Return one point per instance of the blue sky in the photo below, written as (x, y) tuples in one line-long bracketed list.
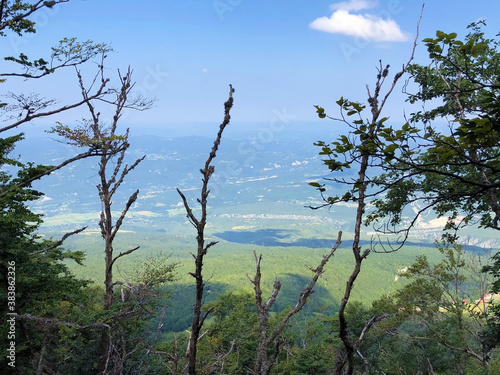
[(281, 56)]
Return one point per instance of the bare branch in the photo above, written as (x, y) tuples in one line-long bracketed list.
[(58, 243), (263, 363), (125, 253), (119, 222), (91, 152), (362, 336), (30, 117), (308, 290), (54, 322), (189, 211), (199, 224)]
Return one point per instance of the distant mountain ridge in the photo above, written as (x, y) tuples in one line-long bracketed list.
[(256, 172)]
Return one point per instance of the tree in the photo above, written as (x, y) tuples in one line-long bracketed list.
[(202, 249), (118, 343), (435, 293), (439, 314), (39, 282), (57, 314), (110, 146), (263, 364), (453, 170), (268, 335), (229, 346), (370, 145)]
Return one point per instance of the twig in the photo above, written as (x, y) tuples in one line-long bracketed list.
[(58, 243)]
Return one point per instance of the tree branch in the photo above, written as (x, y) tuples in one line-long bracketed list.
[(58, 243), (55, 322), (30, 117)]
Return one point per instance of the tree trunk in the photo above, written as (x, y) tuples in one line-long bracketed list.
[(195, 325), (343, 326), (199, 224)]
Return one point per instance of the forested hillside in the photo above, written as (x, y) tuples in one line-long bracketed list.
[(348, 244)]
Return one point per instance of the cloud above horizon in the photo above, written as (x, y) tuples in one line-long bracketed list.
[(366, 26)]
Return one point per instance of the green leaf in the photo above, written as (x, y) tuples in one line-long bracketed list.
[(440, 34), (358, 107), (390, 149), (320, 111)]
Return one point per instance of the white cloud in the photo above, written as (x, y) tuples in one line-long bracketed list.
[(354, 5), (365, 26), (204, 70)]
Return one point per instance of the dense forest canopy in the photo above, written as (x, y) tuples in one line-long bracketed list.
[(442, 318)]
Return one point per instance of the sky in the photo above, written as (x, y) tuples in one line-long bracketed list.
[(281, 56)]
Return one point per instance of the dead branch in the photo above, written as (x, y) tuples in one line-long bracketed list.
[(219, 362), (199, 224), (263, 363), (58, 243), (125, 253), (55, 322), (362, 336), (91, 152), (33, 116)]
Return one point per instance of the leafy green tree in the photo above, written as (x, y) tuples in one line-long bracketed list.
[(40, 282), (310, 348), (453, 170), (231, 340), (491, 335), (438, 317)]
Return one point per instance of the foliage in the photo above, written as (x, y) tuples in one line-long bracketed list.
[(439, 316), (431, 325), (58, 316), (85, 136), (231, 342), (69, 52), (44, 286), (491, 335), (15, 15), (453, 170)]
